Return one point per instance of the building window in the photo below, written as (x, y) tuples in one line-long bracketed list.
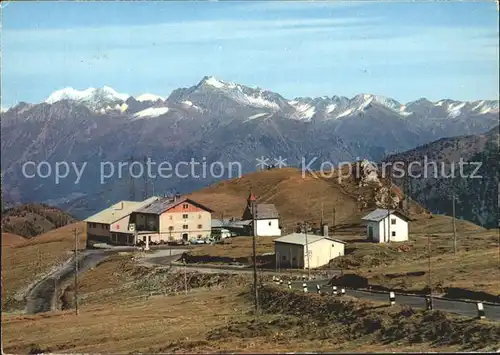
[(185, 205), (393, 234), (170, 228), (170, 217), (393, 221), (185, 226), (269, 223), (199, 226), (185, 216), (144, 238), (199, 216)]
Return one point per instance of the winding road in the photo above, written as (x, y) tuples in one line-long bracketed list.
[(41, 296), (460, 307)]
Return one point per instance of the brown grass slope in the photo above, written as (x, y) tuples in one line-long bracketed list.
[(26, 262), (31, 220), (220, 320), (10, 240), (296, 197)]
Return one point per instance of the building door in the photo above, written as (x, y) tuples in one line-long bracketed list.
[(185, 237), (370, 232)]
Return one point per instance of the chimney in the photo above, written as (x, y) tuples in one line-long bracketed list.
[(325, 230), (177, 197), (120, 206)]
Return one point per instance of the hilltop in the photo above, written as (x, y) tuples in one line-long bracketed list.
[(300, 198), (31, 220)]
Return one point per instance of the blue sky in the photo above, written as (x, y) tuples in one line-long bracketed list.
[(401, 50)]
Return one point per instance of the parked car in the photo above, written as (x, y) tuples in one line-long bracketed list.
[(197, 241)]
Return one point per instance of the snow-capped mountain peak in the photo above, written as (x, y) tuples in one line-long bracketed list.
[(212, 81), (485, 106), (149, 97), (91, 97), (68, 93), (213, 95), (252, 97)]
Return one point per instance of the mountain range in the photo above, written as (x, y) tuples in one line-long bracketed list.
[(213, 120)]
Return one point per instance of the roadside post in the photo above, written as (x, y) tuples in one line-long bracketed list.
[(342, 291), (304, 286), (392, 298), (318, 289), (428, 304), (334, 290), (480, 311), (289, 285)]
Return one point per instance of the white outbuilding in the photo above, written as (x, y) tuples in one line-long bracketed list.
[(291, 250), (267, 218), (384, 226)]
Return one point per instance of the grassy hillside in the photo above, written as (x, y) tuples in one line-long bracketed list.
[(219, 319), (297, 198), (26, 262), (10, 240), (31, 220)]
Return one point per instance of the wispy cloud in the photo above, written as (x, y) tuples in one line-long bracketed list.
[(178, 32), (301, 48), (298, 5)]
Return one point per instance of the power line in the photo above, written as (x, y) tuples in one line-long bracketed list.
[(76, 271), (132, 182), (254, 247), (304, 226), (145, 178), (429, 279), (454, 226)]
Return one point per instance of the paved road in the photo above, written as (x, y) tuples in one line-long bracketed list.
[(463, 308), (41, 297)]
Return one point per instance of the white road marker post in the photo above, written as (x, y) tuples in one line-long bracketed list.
[(304, 286), (480, 311), (392, 298), (428, 304), (334, 290), (318, 289), (289, 285), (342, 291)]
